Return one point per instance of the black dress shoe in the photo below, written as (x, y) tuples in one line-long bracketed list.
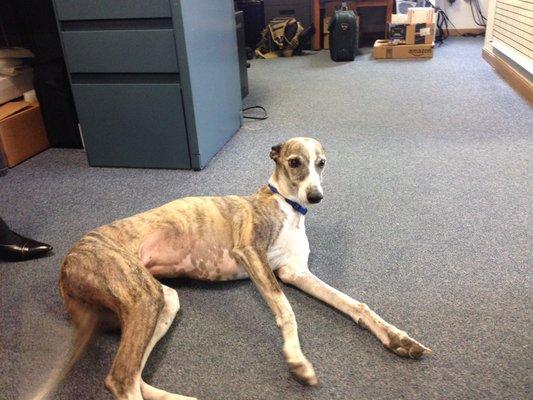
[(22, 248)]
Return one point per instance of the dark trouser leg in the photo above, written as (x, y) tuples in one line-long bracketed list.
[(3, 166), (6, 235)]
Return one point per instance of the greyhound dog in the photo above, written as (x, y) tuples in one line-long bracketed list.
[(112, 272)]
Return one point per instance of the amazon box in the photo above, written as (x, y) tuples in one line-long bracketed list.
[(398, 32), (383, 49), (420, 34), (22, 132)]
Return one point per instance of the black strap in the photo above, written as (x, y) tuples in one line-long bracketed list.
[(265, 116)]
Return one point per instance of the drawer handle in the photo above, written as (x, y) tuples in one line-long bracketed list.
[(116, 24), (119, 78)]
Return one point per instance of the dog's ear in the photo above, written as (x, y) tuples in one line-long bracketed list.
[(276, 151)]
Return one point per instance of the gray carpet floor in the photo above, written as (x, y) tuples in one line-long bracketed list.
[(424, 219)]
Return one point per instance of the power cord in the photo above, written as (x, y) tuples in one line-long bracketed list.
[(477, 14), (261, 118), (444, 22)]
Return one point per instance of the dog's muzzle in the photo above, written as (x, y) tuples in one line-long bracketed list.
[(314, 195)]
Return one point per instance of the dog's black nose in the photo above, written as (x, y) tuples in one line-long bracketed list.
[(314, 197)]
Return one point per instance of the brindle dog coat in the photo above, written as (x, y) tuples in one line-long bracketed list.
[(111, 273)]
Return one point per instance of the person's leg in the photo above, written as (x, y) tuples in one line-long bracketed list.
[(3, 166), (6, 234), (14, 247)]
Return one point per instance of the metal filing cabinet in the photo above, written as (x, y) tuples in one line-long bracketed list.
[(155, 82)]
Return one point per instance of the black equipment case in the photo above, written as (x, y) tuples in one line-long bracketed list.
[(343, 35)]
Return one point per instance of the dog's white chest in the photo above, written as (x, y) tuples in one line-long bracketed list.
[(291, 244)]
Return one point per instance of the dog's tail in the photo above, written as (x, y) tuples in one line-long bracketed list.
[(86, 326)]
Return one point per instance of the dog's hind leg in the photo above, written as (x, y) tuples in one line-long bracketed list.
[(138, 325), (105, 276), (143, 325), (166, 316)]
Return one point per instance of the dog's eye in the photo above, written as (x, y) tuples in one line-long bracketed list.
[(294, 163), (321, 163)]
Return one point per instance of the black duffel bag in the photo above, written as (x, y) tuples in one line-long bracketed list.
[(343, 35)]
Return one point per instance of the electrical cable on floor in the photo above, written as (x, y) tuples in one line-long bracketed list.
[(261, 118)]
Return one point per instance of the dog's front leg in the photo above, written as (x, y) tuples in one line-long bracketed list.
[(392, 338), (256, 264)]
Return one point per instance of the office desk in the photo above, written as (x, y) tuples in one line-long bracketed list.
[(389, 4)]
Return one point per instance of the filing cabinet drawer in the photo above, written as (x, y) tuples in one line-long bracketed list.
[(151, 89), (105, 9), (133, 124), (118, 51)]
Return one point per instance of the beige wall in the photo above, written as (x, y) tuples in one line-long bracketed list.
[(460, 14)]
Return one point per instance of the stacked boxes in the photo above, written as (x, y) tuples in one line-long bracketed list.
[(411, 35), (22, 132), (16, 76)]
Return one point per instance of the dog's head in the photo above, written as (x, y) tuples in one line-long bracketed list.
[(299, 165)]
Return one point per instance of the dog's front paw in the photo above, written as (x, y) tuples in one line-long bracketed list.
[(304, 372), (400, 343)]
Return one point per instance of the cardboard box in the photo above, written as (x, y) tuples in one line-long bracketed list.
[(325, 32), (420, 15), (325, 24), (399, 19), (12, 87), (383, 49), (398, 32), (22, 132), (412, 33), (420, 34)]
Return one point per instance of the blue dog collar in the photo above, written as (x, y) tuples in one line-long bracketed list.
[(297, 206)]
